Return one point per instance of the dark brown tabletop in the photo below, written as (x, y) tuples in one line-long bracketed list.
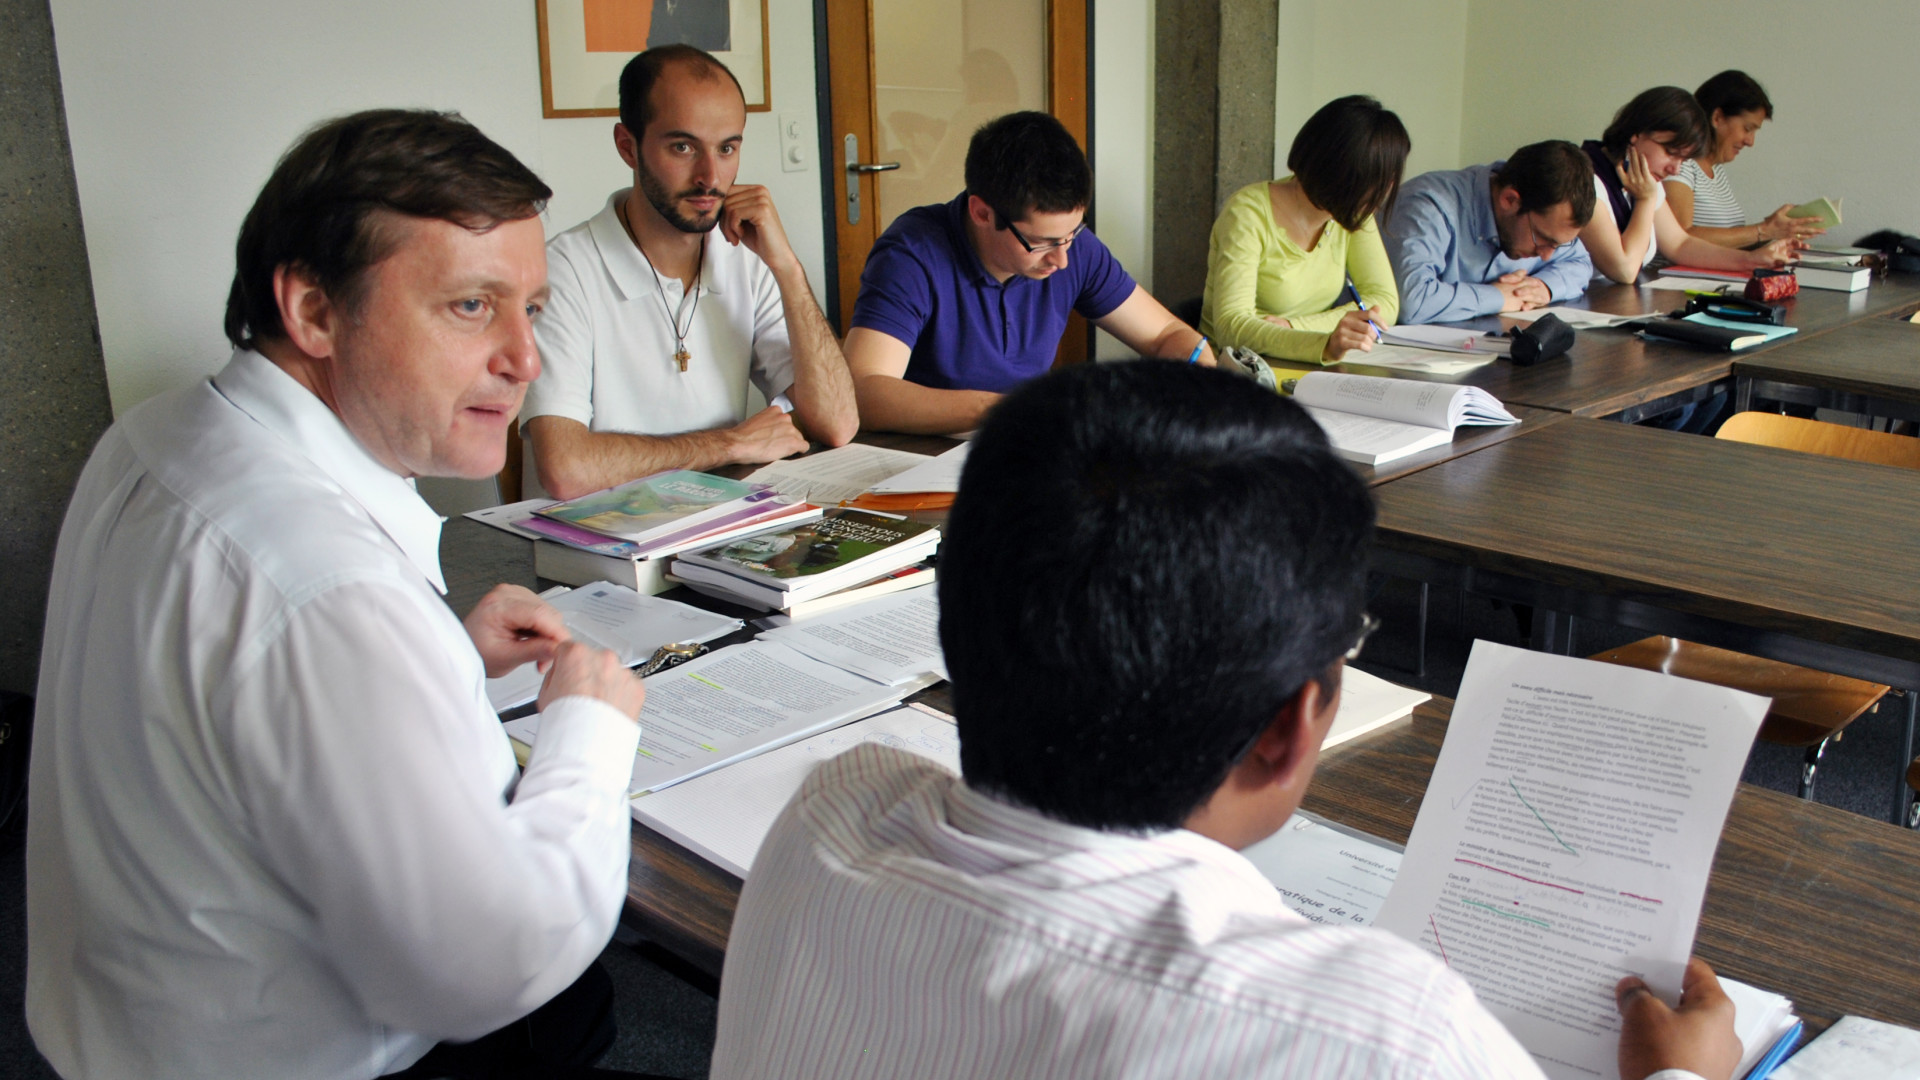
[(1805, 900), (1613, 371), (1869, 366), (1792, 556)]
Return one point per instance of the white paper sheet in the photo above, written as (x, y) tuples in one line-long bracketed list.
[(508, 516), (1578, 318), (1681, 284), (936, 475), (1565, 841), (1326, 873), (831, 477), (1406, 358), (613, 617), (726, 814), (1447, 338), (890, 639), (1368, 702), (1854, 1048)]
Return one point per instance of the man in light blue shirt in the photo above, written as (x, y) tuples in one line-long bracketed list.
[(1493, 238)]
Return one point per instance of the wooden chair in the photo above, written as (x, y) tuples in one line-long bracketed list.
[(1810, 708)]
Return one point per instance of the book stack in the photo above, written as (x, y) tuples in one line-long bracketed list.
[(785, 569), (625, 534)]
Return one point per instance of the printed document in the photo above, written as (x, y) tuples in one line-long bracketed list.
[(618, 619), (832, 477), (890, 640), (1566, 838), (940, 474)]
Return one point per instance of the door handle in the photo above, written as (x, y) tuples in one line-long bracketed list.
[(855, 169)]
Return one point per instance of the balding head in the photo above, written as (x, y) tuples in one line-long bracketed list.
[(643, 71)]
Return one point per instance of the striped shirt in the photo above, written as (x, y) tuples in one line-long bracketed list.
[(1714, 206), (898, 923)]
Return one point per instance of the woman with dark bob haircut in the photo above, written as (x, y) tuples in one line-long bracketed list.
[(1649, 139), (1702, 200), (1295, 266)]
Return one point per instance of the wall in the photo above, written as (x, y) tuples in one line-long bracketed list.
[(1123, 151), (1837, 74), (1416, 66), (179, 110), (53, 392)]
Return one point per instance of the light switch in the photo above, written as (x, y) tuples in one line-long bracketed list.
[(793, 142)]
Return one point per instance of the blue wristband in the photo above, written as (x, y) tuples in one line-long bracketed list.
[(1194, 357)]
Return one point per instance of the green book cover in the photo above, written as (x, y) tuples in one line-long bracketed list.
[(634, 509), (840, 539)]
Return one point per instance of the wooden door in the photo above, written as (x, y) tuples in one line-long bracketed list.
[(891, 65)]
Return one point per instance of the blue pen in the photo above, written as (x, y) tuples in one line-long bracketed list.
[(1361, 304)]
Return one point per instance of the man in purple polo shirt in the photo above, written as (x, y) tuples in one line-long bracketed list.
[(962, 301)]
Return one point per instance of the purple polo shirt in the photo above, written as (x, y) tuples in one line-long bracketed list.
[(924, 285)]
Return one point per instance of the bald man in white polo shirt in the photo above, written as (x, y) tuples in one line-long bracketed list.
[(659, 321)]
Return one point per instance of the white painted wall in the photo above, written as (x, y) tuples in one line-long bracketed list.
[(1123, 143), (1411, 54), (178, 111), (1837, 74)]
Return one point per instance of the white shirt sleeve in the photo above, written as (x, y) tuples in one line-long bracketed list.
[(450, 907), (564, 333), (772, 370)]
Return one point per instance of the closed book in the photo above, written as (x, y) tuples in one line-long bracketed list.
[(1835, 278), (658, 505), (1703, 335), (844, 545), (743, 590), (558, 562), (735, 591)]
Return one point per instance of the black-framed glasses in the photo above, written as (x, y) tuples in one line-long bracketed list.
[(1368, 624), (1035, 247), (1534, 234)]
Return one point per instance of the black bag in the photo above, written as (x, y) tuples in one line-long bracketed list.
[(1903, 251), (1543, 339)]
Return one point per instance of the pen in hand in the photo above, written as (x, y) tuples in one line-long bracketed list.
[(1362, 305)]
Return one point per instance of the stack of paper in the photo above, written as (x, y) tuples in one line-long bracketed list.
[(725, 815), (617, 618), (940, 474), (1374, 421), (1857, 1047), (892, 640), (831, 477), (1447, 339), (1578, 318)]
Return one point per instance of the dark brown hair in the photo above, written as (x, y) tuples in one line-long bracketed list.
[(641, 72), (1549, 173), (1732, 93), (1027, 161), (320, 210), (1349, 157), (1661, 109)]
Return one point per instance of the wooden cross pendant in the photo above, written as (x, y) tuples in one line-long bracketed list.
[(681, 357)]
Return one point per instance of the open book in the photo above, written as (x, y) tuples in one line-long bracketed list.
[(1373, 421)]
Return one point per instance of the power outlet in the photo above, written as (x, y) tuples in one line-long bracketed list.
[(794, 133)]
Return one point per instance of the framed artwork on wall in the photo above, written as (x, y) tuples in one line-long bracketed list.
[(585, 43)]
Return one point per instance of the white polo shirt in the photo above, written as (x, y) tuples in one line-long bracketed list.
[(607, 342)]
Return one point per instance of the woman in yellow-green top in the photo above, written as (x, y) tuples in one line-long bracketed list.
[(1283, 250)]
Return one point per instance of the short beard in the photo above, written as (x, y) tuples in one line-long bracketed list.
[(664, 204)]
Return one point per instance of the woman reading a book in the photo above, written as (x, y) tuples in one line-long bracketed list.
[(1650, 138), (1702, 200), (1295, 266)]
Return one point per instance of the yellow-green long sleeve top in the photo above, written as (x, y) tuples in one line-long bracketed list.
[(1255, 269)]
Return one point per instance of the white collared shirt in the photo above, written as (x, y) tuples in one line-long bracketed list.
[(607, 340), (899, 923), (275, 829)]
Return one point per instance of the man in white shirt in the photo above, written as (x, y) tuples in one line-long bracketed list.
[(657, 325), (1150, 577), (276, 830)]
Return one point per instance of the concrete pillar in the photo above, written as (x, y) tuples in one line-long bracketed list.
[(53, 382), (1213, 125)]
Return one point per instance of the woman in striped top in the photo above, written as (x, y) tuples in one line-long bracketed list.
[(1699, 194)]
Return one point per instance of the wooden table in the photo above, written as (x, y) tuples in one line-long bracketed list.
[(1805, 900), (1870, 366), (1615, 373), (1796, 557)]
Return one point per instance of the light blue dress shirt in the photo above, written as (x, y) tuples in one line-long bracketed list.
[(1446, 251)]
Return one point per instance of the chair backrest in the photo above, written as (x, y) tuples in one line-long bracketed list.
[(1820, 437)]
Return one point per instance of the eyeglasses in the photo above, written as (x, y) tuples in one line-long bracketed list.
[(1037, 246), (1534, 236), (1368, 624)]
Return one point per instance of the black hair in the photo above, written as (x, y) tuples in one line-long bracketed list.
[(320, 211), (1144, 564), (1732, 93), (1546, 174), (645, 69), (1027, 161), (1349, 157), (1662, 109)]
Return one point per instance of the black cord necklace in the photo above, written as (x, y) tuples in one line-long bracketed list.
[(680, 353)]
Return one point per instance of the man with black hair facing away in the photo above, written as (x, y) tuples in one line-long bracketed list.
[(1150, 579), (276, 829), (680, 293), (962, 301)]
